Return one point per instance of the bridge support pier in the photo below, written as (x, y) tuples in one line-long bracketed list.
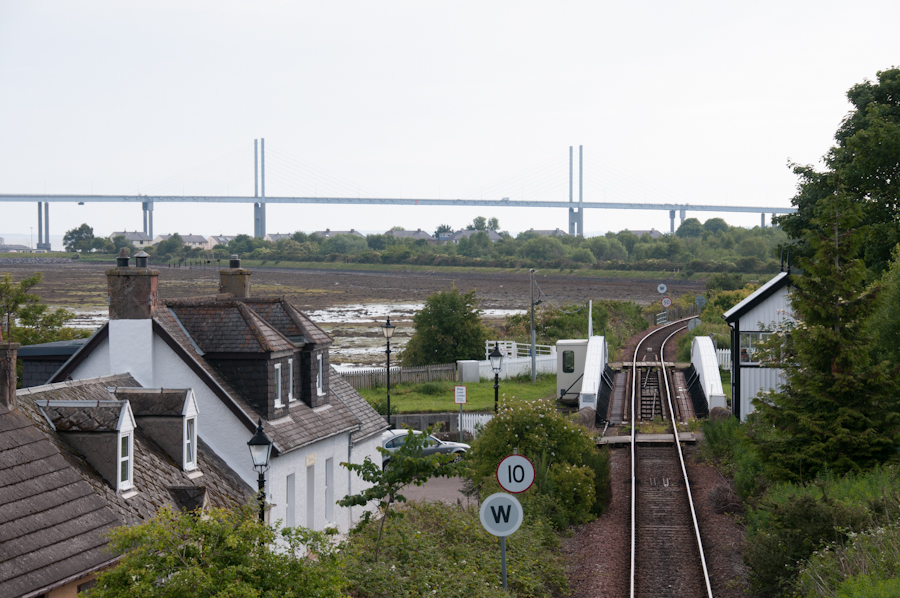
[(148, 218), (44, 227), (683, 214), (259, 220), (762, 220), (671, 221)]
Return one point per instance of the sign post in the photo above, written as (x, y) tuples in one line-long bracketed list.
[(459, 398), (501, 515)]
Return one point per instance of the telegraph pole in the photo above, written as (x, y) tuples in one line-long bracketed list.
[(533, 356)]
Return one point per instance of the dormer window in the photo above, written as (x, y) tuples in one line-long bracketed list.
[(278, 402), (291, 396), (126, 466), (320, 375), (190, 444)]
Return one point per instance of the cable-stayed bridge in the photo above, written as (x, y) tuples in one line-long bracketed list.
[(291, 172)]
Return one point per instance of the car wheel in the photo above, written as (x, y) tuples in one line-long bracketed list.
[(457, 457)]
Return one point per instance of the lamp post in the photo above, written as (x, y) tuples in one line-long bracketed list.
[(496, 361), (388, 330), (260, 451)]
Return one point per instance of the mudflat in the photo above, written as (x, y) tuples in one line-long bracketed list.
[(82, 285)]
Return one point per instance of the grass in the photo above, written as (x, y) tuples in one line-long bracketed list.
[(726, 383), (437, 397)]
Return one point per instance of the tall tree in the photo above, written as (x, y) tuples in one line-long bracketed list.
[(447, 329), (479, 223), (493, 224), (443, 228), (837, 409), (79, 239), (865, 163)]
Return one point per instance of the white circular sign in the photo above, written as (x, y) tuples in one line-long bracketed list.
[(501, 514), (515, 474), (666, 302), (662, 288), (694, 323), (700, 300)]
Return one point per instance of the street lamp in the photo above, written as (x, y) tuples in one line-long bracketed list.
[(260, 450), (388, 330), (496, 361)]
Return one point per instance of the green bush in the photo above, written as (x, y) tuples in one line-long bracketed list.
[(572, 482), (442, 550)]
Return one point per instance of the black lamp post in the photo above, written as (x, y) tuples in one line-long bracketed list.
[(260, 450), (496, 361), (388, 329)]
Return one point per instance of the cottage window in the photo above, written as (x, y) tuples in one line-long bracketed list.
[(291, 396), (190, 444), (126, 448), (278, 385), (320, 375)]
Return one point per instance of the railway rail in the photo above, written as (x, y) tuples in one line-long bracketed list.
[(667, 557)]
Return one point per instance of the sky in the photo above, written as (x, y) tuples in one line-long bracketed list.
[(673, 102)]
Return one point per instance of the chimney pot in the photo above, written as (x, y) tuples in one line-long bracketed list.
[(122, 259), (8, 354), (234, 262), (141, 259)]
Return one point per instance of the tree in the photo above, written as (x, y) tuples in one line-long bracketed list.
[(448, 328), (407, 466), (443, 228), (885, 321), (13, 297), (543, 248), (344, 244), (865, 164), (174, 245), (838, 410), (79, 239), (221, 554), (103, 245), (480, 223), (493, 224), (715, 225), (690, 228), (120, 241)]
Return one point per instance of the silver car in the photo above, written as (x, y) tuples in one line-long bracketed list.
[(393, 440)]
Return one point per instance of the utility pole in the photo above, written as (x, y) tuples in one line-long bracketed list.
[(533, 356)]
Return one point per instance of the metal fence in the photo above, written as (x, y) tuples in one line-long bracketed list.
[(514, 349), (375, 377)]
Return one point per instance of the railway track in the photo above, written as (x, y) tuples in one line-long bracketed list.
[(667, 556)]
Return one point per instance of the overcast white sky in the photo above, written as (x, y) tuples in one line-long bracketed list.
[(701, 102)]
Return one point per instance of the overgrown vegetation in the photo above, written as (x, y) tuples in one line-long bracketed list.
[(448, 328), (572, 482)]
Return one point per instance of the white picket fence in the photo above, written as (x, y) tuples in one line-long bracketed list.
[(723, 358), (512, 349), (470, 420)]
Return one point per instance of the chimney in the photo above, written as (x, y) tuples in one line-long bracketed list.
[(132, 291), (235, 280), (8, 352)]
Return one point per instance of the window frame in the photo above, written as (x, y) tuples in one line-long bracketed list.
[(752, 340), (568, 361), (291, 396), (126, 441), (190, 443), (320, 375), (277, 373)]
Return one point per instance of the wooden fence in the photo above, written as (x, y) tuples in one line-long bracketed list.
[(375, 377)]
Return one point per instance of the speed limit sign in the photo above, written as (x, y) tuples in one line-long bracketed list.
[(515, 474), (666, 302)]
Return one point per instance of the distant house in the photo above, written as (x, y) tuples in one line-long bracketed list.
[(138, 239), (549, 233), (465, 234), (14, 249), (275, 237), (415, 235), (766, 310), (192, 241), (640, 233), (330, 233), (215, 240), (247, 361), (79, 458)]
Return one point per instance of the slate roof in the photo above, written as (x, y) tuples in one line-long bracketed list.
[(51, 520), (330, 233), (227, 327), (132, 236), (303, 425), (153, 402), (54, 506), (288, 320), (455, 237), (91, 416), (550, 233), (370, 421), (187, 239), (409, 234)]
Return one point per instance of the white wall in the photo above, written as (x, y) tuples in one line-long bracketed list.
[(774, 309), (756, 380)]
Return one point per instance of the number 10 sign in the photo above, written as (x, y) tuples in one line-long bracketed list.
[(515, 474)]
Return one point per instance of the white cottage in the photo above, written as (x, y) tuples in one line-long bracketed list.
[(766, 310), (245, 360)]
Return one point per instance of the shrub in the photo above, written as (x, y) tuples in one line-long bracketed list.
[(439, 549), (572, 482)]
